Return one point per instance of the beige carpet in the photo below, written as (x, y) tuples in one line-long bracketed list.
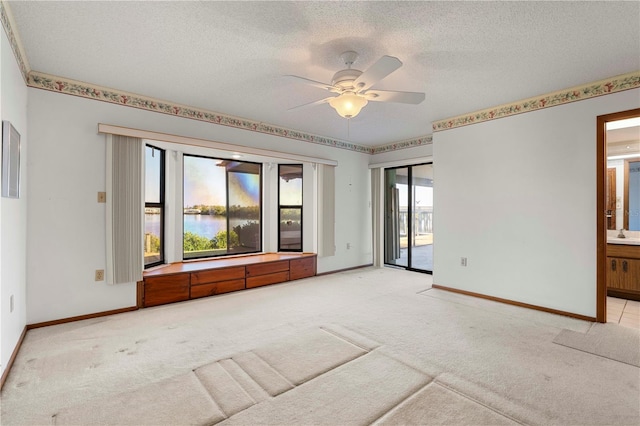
[(607, 340), (315, 377), (360, 347)]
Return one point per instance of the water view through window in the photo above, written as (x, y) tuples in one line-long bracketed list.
[(153, 206), (222, 207), (290, 209)]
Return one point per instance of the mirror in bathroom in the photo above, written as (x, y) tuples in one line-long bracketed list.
[(610, 199), (632, 195), (623, 174)]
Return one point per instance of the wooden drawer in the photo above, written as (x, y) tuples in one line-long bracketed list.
[(204, 290), (278, 277), (623, 250), (267, 268), (166, 289), (302, 268), (216, 275)]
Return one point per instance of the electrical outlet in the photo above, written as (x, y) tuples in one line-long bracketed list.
[(11, 303), (463, 261), (99, 274), (102, 197)]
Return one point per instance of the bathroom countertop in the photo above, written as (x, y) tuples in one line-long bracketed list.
[(631, 241)]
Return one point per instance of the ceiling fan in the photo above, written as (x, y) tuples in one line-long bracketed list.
[(353, 87)]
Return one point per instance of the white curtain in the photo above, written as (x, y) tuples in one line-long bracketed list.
[(326, 211), (125, 209), (377, 214)]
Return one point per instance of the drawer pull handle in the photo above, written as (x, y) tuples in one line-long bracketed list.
[(613, 265), (624, 265)]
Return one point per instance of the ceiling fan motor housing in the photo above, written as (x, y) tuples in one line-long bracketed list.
[(345, 78)]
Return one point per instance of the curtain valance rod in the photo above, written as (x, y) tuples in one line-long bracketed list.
[(184, 140)]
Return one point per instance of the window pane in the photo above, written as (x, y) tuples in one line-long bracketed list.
[(291, 228), (221, 207), (153, 213), (422, 217), (205, 211), (152, 235), (290, 195), (396, 216), (152, 181), (290, 185), (244, 207)]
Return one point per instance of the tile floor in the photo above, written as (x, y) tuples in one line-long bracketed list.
[(623, 312)]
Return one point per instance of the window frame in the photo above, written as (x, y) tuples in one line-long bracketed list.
[(160, 205), (226, 184), (291, 207)]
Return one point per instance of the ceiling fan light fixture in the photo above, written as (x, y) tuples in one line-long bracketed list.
[(348, 105)]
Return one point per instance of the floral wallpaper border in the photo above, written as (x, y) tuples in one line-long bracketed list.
[(578, 93), (71, 87), (85, 90), (409, 143), (15, 44)]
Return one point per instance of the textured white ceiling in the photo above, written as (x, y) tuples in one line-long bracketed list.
[(230, 57)]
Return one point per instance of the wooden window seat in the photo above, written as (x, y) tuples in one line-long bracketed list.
[(190, 280)]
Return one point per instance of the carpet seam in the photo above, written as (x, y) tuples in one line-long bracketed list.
[(310, 379), (412, 367), (237, 382), (206, 391), (272, 369), (345, 339), (594, 354), (404, 400), (444, 385)]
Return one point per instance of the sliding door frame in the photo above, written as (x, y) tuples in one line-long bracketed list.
[(410, 224)]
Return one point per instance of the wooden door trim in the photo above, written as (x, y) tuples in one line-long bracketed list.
[(601, 219)]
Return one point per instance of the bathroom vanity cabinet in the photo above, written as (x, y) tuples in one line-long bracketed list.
[(623, 271)]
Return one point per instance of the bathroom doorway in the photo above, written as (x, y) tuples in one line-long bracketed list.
[(618, 146)]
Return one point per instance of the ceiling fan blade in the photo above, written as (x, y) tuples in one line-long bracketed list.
[(376, 72), (391, 96), (310, 104), (319, 84)]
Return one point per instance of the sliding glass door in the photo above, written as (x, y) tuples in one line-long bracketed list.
[(408, 227)]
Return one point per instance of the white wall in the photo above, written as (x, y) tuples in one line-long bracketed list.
[(517, 197), (66, 224), (13, 212)]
